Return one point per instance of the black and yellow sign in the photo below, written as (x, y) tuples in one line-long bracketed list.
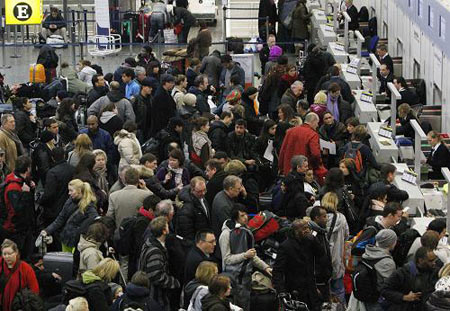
[(23, 12)]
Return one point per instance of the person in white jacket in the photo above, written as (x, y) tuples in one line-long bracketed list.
[(128, 145), (86, 72)]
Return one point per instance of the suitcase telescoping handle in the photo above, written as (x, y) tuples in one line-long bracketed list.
[(120, 271)]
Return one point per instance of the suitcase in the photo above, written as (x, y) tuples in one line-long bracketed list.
[(263, 301), (37, 73), (60, 263)]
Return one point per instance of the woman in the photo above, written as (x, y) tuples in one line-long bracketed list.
[(109, 120), (287, 79), (128, 145), (68, 127), (251, 114), (99, 294), (285, 115), (311, 186), (267, 154), (406, 114), (353, 183), (377, 201), (219, 289), (196, 289), (153, 72), (137, 294), (335, 132), (152, 182), (439, 156), (174, 174), (15, 275), (90, 254), (338, 233), (268, 95), (320, 105), (85, 71), (78, 212), (104, 178), (83, 145), (440, 298), (201, 144), (300, 22), (179, 90), (203, 40)]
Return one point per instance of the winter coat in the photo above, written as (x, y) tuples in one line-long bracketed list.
[(124, 107), (322, 265), (59, 21), (202, 146), (99, 295), (164, 169), (101, 140), (154, 261), (134, 293), (300, 21), (193, 260), (68, 128), (235, 71), (221, 211), (294, 202), (438, 301), (90, 255), (126, 202), (129, 148), (155, 186), (86, 75), (241, 147), (196, 296), (338, 236), (75, 85), (319, 110), (163, 108), (27, 277), (202, 100), (212, 67), (214, 186), (192, 217), (10, 148), (25, 128), (335, 132), (43, 161), (405, 279), (55, 192), (95, 93), (218, 135), (110, 122), (346, 91), (71, 222), (214, 303), (19, 211), (267, 8), (204, 41), (289, 98), (384, 267)]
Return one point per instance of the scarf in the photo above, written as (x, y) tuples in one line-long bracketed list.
[(102, 179), (377, 205), (289, 79), (11, 276), (199, 139), (13, 136), (332, 106), (178, 178)]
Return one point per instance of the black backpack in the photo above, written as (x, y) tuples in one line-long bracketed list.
[(126, 304), (125, 242), (404, 242), (26, 300), (73, 289), (364, 280), (3, 210)]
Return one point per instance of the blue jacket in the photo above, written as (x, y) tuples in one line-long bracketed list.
[(132, 89), (101, 140)]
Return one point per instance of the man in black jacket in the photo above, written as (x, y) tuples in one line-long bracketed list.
[(240, 144), (294, 266), (54, 24), (215, 175), (25, 121), (99, 89), (409, 287), (384, 57), (352, 11), (387, 178), (219, 130), (141, 105), (385, 77), (164, 106), (199, 89), (205, 242), (195, 214)]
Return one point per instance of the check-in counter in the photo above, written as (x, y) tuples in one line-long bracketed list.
[(353, 80), (318, 18), (312, 5), (326, 35), (338, 51), (416, 199), (383, 148), (364, 111)]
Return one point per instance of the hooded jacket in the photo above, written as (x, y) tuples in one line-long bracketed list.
[(128, 147), (75, 85), (214, 303), (124, 107), (384, 267), (99, 295), (337, 240), (134, 293), (86, 75), (90, 255), (110, 122), (218, 135)]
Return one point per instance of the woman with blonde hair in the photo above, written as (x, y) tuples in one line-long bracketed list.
[(105, 179), (99, 294), (338, 233), (78, 213), (78, 304), (83, 144), (196, 289)]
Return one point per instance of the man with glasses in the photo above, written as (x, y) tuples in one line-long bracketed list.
[(205, 243)]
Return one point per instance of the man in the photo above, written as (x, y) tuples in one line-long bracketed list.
[(131, 86), (205, 242), (438, 226), (352, 11), (124, 107), (129, 62), (154, 261), (26, 125), (199, 89), (99, 89), (265, 51), (164, 107), (99, 137), (385, 77), (183, 15), (341, 109), (19, 223), (160, 17), (335, 73), (294, 202), (409, 287), (302, 109), (216, 175), (230, 68), (294, 266), (222, 157), (219, 130), (9, 141), (140, 74), (385, 58), (240, 144), (55, 192), (52, 126), (142, 104), (322, 264), (224, 201), (239, 255), (292, 94), (54, 24), (387, 179), (120, 183), (212, 67), (195, 214), (303, 140)]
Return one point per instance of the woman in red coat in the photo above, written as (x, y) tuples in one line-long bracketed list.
[(12, 268)]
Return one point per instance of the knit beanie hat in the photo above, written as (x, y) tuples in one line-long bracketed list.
[(190, 99), (320, 98), (234, 96), (275, 52), (386, 238)]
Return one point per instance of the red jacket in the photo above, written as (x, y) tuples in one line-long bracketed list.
[(301, 140), (28, 280)]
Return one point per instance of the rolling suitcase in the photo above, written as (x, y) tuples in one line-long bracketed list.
[(37, 73), (60, 263)]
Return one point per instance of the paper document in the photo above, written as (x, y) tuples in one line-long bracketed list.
[(268, 154), (328, 145)]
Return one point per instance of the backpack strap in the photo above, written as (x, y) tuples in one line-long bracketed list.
[(333, 224)]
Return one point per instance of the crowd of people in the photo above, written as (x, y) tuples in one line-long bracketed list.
[(155, 200)]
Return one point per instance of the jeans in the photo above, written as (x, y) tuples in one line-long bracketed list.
[(156, 24), (337, 288), (183, 36)]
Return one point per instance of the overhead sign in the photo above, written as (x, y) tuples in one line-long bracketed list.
[(23, 12)]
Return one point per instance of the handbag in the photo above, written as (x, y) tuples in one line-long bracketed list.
[(349, 208), (178, 28), (170, 36)]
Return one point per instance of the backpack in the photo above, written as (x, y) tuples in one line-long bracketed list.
[(3, 210), (151, 146), (263, 225), (364, 281), (125, 242), (126, 304), (73, 289), (354, 154), (26, 300), (404, 242), (355, 247)]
